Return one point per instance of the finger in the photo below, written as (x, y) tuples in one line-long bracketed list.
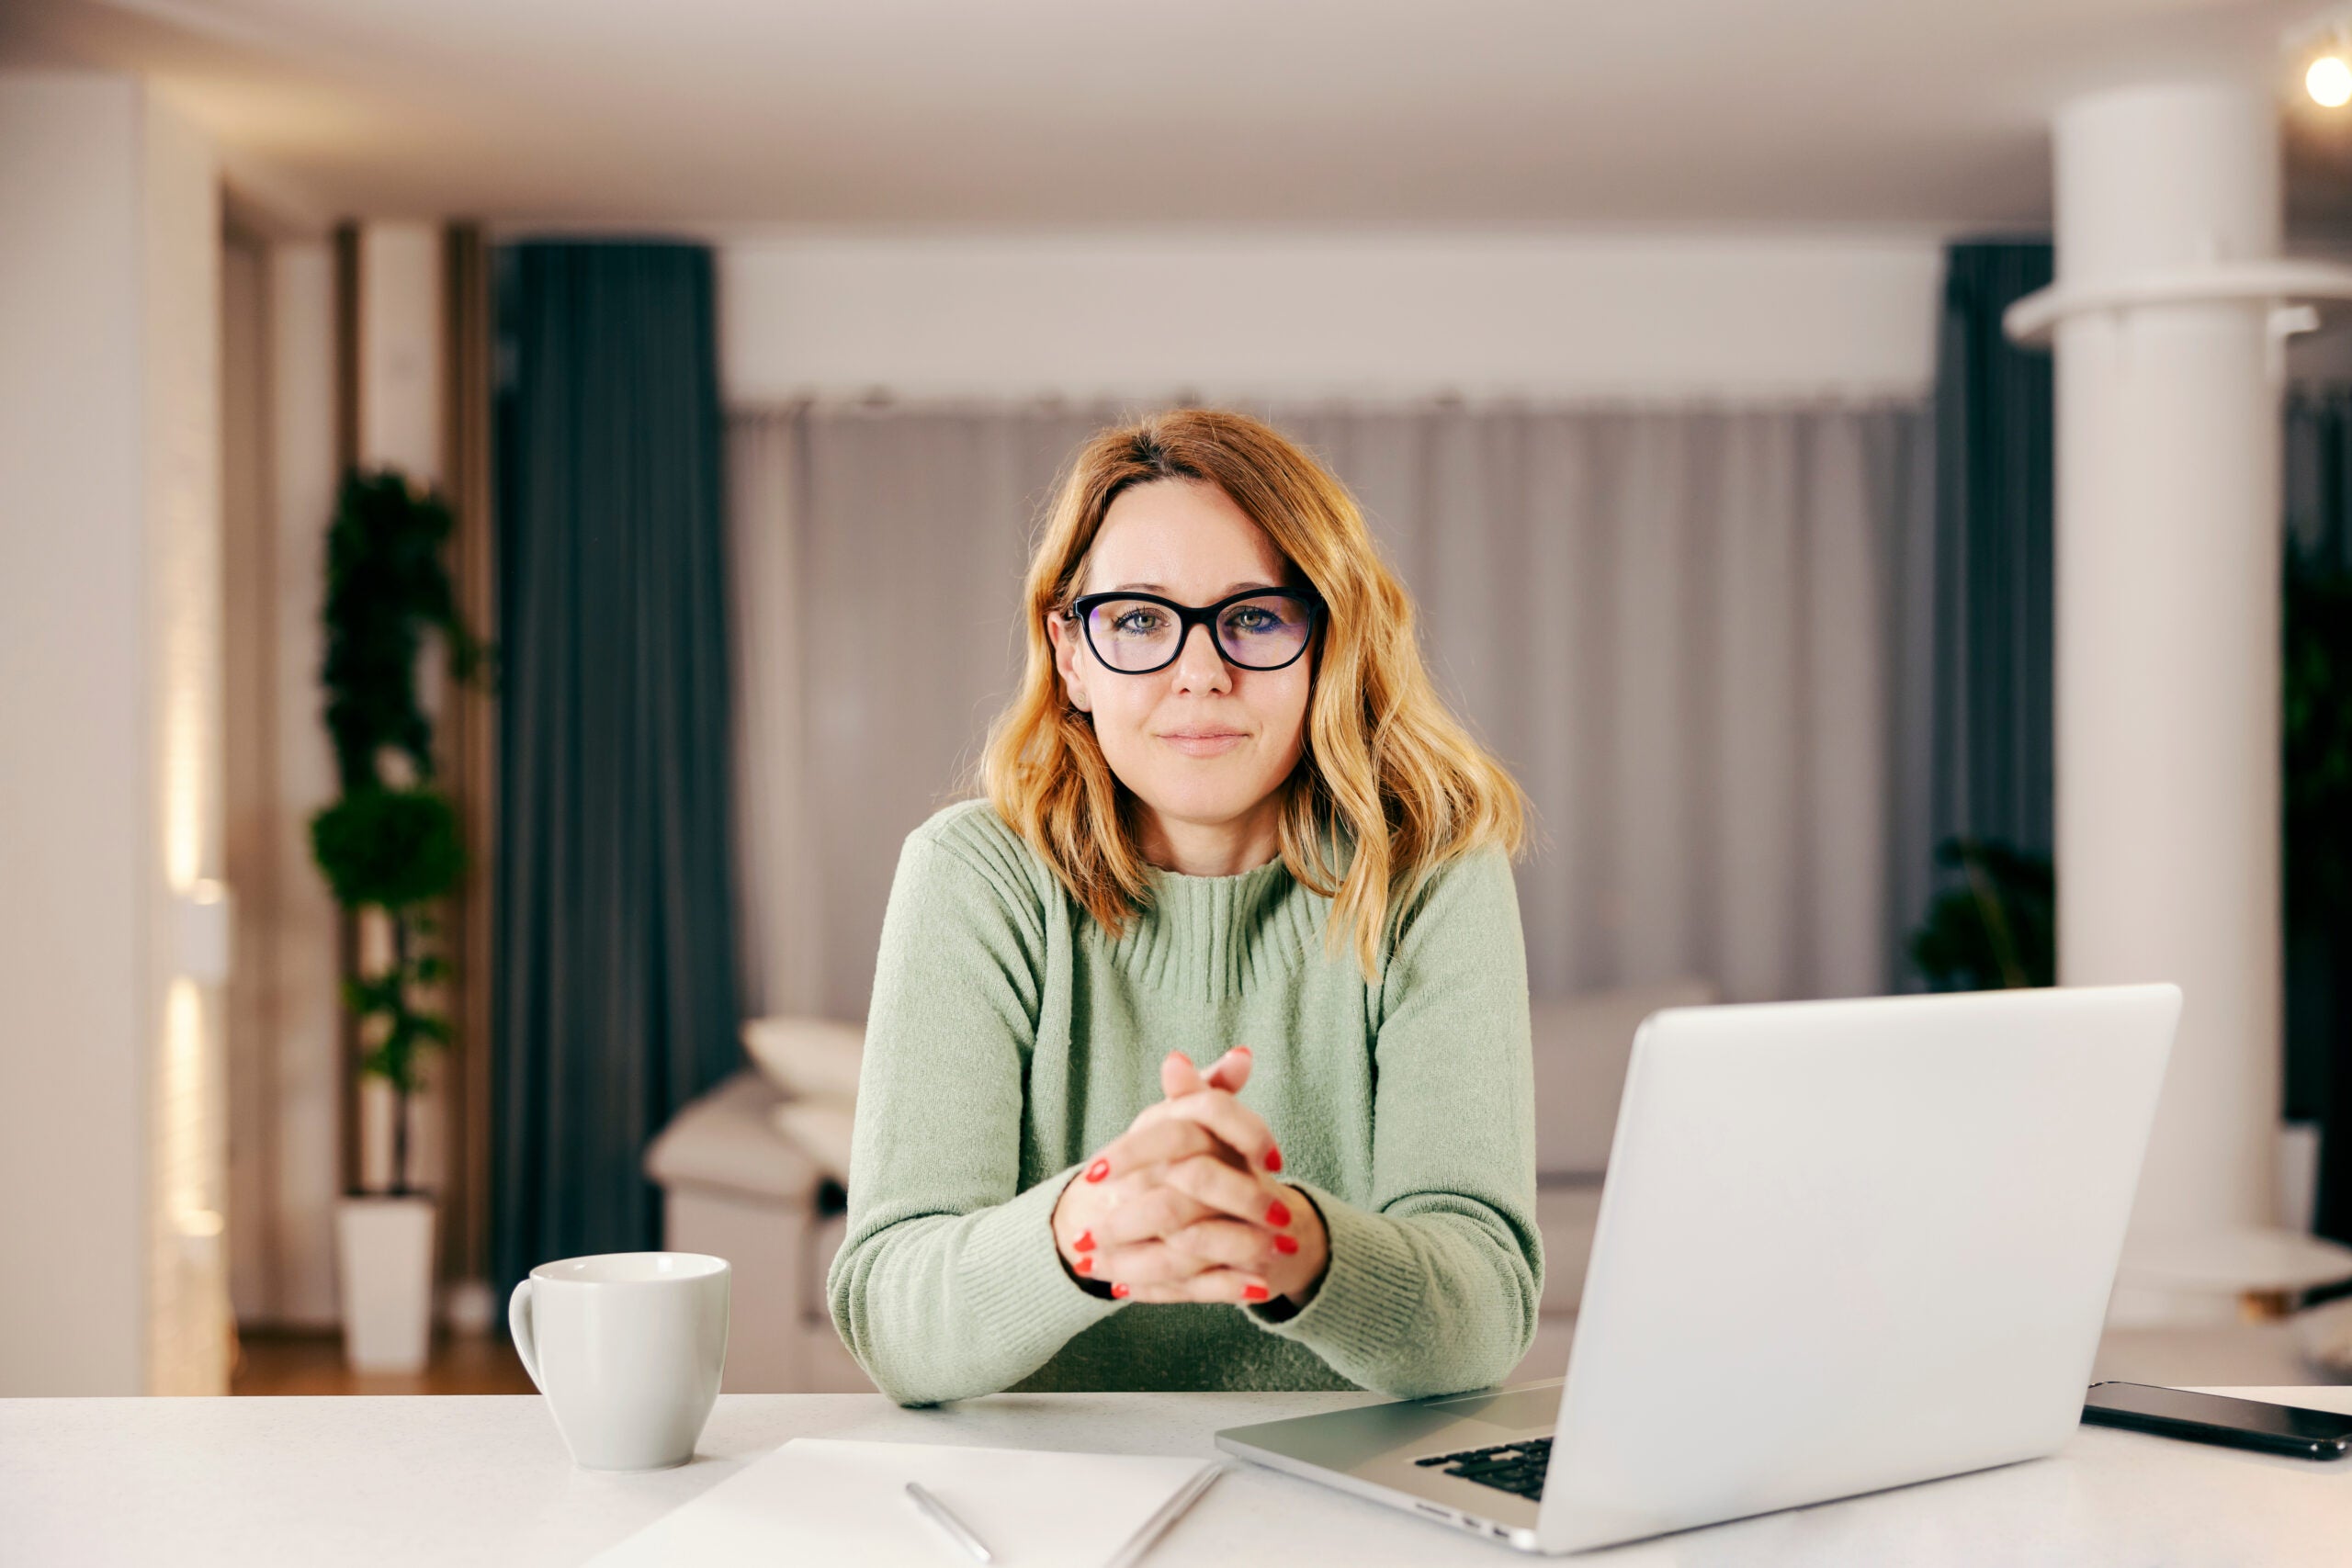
[(1232, 1192), (1230, 1244), (1153, 1140), (1179, 1077), (1231, 1071), (1150, 1215), (1146, 1263), (1085, 1207), (1234, 1285), (1241, 1128)]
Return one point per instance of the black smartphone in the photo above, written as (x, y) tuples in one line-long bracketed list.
[(2215, 1419)]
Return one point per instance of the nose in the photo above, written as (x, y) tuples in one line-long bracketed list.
[(1200, 665)]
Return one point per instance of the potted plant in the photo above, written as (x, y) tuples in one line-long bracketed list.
[(391, 848), (1997, 930)]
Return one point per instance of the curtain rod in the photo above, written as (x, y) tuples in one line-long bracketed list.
[(880, 401)]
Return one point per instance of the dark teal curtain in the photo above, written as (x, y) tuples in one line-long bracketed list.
[(615, 988), (1994, 746), (2319, 477), (2318, 491)]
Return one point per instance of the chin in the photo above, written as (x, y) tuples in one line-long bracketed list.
[(1205, 803)]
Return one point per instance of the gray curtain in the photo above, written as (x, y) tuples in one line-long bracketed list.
[(1681, 626), (616, 989)]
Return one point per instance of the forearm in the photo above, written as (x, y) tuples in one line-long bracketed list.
[(950, 1306), (1437, 1296)]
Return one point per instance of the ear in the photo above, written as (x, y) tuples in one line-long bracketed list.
[(1064, 637)]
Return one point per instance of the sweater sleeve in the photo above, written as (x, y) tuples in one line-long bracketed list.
[(947, 1284), (1432, 1287)]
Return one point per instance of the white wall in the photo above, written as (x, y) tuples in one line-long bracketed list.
[(1370, 315), (108, 225), (400, 348), (73, 752)]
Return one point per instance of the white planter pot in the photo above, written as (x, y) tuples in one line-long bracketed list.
[(384, 1248)]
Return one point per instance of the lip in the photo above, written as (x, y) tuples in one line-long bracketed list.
[(1203, 742)]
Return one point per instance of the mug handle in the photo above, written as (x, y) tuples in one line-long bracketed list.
[(518, 1325)]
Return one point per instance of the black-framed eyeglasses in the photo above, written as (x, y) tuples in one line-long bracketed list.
[(1137, 633)]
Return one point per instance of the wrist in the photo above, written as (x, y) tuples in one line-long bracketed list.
[(1073, 1239), (1295, 1277)]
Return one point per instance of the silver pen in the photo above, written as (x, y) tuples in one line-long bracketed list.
[(1170, 1512), (956, 1528)]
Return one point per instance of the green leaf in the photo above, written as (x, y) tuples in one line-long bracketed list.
[(388, 848)]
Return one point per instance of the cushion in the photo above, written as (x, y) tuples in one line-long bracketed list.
[(728, 1140), (1582, 1044), (820, 1129), (809, 1058), (1566, 1213), (825, 1238)]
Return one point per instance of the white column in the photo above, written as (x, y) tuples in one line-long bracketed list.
[(2167, 622), (111, 1132)]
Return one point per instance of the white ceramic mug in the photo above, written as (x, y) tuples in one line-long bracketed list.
[(627, 1347)]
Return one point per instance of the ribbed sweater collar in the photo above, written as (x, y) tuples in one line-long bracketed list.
[(1209, 937)]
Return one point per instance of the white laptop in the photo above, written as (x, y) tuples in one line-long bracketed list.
[(1842, 1245)]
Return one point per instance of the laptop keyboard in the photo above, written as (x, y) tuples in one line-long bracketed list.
[(1517, 1468)]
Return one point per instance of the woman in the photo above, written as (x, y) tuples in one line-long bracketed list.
[(1227, 810)]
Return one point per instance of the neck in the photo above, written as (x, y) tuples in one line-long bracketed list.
[(1213, 849)]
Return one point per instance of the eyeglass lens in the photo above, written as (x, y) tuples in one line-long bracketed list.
[(1136, 635)]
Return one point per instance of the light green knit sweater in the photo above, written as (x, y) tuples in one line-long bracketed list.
[(1010, 1037)]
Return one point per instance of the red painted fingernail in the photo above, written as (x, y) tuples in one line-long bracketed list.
[(1274, 1157), (1285, 1245), (1083, 1266), (1120, 1292), (1278, 1212), (1098, 1170), (1255, 1293), (1085, 1242), (1243, 1049)]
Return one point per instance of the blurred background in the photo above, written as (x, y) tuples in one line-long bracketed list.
[(510, 512)]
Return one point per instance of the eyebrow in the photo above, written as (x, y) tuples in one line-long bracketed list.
[(1230, 589)]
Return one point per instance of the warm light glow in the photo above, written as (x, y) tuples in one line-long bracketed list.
[(180, 1160), (189, 1325), (2329, 82), (183, 784)]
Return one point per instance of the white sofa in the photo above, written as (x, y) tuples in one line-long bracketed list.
[(736, 1186)]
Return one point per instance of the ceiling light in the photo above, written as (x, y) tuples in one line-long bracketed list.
[(2329, 82)]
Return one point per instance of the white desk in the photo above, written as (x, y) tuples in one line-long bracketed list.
[(447, 1481)]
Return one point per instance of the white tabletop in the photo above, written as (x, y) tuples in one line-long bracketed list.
[(449, 1480)]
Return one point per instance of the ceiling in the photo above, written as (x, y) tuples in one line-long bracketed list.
[(866, 112)]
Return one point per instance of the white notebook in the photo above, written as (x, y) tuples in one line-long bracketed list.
[(821, 1500)]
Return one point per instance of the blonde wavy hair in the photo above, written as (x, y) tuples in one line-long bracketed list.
[(1389, 787)]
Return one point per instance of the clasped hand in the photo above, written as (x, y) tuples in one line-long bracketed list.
[(1183, 1206)]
